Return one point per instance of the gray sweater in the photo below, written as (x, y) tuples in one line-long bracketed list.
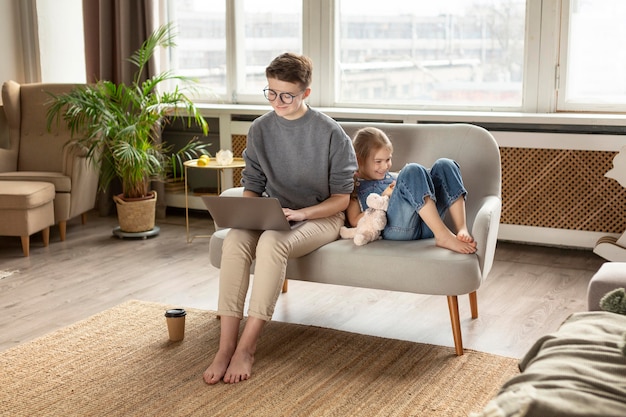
[(301, 162)]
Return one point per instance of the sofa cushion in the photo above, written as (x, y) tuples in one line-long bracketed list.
[(62, 183), (577, 371), (407, 266), (23, 195)]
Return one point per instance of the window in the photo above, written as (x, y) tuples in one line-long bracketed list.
[(444, 53), (489, 55), (271, 28), (53, 59), (263, 29), (593, 56), (201, 43)]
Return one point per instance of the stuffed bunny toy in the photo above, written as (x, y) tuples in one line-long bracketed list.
[(371, 224)]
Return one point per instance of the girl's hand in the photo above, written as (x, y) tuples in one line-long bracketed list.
[(389, 190)]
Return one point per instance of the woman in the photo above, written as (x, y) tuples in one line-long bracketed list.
[(306, 160)]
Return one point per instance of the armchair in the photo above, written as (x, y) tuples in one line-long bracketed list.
[(36, 154)]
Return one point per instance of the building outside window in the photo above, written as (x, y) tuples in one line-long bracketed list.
[(431, 53)]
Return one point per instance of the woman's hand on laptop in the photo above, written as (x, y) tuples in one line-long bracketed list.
[(294, 215), (329, 207)]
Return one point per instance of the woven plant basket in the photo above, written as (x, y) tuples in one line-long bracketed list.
[(137, 215)]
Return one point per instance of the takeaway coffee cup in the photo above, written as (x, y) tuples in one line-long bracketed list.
[(176, 323)]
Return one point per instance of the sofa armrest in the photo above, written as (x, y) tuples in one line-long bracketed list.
[(11, 104), (84, 176), (231, 192), (610, 276), (9, 127), (485, 232), (8, 160)]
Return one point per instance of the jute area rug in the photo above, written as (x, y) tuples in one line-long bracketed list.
[(121, 363)]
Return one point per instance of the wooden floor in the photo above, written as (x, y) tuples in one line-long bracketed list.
[(530, 290)]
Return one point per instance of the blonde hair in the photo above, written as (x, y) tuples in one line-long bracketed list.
[(368, 140)]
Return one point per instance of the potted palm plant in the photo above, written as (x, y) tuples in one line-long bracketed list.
[(118, 127)]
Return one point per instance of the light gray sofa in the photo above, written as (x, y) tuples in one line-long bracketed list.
[(579, 370), (416, 266)]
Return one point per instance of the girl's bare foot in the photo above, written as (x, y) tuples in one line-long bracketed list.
[(452, 242), (216, 371), (464, 236), (240, 367)]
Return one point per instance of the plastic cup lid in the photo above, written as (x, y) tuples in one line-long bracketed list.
[(176, 312)]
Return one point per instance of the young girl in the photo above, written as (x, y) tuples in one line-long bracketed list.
[(418, 197)]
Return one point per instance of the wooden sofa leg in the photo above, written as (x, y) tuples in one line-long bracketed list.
[(453, 306), (285, 285), (62, 229), (473, 304), (45, 234), (25, 244), (83, 218)]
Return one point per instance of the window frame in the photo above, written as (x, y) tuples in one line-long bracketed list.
[(563, 105), (545, 55)]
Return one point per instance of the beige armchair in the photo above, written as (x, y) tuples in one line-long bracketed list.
[(36, 154)]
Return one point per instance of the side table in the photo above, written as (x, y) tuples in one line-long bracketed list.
[(193, 164)]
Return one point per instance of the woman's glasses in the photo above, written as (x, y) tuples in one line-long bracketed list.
[(286, 98)]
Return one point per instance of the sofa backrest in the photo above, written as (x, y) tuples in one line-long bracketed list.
[(471, 146), (26, 106)]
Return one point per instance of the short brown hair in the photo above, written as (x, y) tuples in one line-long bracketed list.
[(291, 68), (369, 139)]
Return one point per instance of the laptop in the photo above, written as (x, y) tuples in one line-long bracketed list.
[(252, 213)]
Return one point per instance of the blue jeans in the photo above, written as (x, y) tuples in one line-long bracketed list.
[(442, 183)]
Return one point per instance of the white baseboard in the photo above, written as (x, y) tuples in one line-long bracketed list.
[(551, 237)]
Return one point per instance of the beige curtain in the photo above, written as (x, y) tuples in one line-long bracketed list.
[(114, 29)]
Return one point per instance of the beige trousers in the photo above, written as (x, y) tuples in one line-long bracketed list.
[(271, 249)]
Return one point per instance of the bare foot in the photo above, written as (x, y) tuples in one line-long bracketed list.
[(215, 372), (452, 242), (240, 367), (464, 236)]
